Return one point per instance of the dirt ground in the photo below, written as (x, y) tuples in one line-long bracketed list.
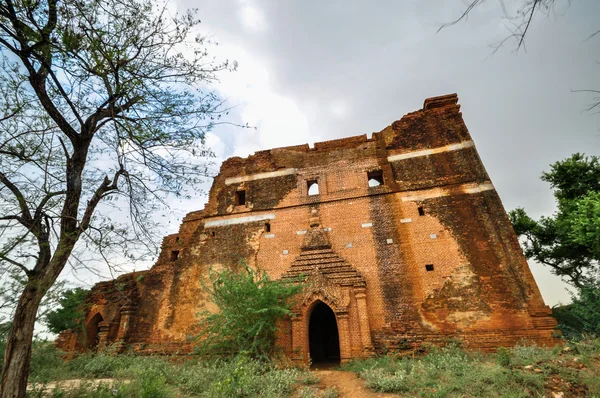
[(348, 384)]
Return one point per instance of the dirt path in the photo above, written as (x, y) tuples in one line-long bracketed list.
[(71, 384), (348, 384)]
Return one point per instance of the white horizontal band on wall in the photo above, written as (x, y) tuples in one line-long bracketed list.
[(433, 151), (259, 176), (238, 220), (439, 192)]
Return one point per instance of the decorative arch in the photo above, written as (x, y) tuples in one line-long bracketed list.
[(323, 334), (92, 332), (330, 280)]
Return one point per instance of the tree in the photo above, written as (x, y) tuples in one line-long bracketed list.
[(250, 304), (11, 286), (582, 316), (569, 241), (70, 313), (104, 109)]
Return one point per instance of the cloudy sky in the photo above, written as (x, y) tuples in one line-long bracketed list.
[(317, 70)]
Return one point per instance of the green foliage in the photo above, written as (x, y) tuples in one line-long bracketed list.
[(155, 377), (569, 241), (451, 372), (582, 316), (444, 372), (503, 357), (250, 304), (70, 313), (308, 379), (46, 362), (104, 110)]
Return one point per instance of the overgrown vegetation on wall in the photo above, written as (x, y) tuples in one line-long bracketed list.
[(250, 303)]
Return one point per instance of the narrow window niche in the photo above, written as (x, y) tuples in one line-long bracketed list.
[(375, 178), (174, 255), (240, 198), (429, 267), (421, 211), (312, 186), (267, 227)]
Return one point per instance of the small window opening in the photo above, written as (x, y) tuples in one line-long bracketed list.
[(375, 178), (177, 239), (421, 211), (429, 267), (213, 233), (174, 255), (267, 227), (313, 187), (240, 198)]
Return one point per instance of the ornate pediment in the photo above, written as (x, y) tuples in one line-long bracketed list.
[(317, 287), (318, 258)]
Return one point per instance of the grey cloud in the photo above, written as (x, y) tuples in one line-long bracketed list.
[(382, 59)]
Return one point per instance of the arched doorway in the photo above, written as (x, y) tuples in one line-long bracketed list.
[(323, 338), (91, 332)]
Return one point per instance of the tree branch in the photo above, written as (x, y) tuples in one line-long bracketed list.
[(19, 196), (16, 264)]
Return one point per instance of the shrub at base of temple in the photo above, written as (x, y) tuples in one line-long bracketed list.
[(249, 305), (581, 318)]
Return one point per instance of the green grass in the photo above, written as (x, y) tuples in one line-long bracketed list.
[(147, 376), (523, 371)]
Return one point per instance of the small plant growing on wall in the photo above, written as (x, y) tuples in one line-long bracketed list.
[(250, 303)]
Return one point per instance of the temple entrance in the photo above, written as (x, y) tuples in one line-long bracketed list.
[(323, 335), (91, 332)]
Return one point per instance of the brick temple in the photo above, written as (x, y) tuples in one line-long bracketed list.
[(401, 239)]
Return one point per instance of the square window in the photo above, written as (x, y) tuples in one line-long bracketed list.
[(375, 178), (174, 255), (429, 267), (240, 198), (312, 186)]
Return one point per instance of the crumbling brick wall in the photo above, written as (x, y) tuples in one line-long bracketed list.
[(428, 237)]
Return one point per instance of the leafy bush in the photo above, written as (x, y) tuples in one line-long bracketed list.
[(70, 313), (308, 378), (46, 362), (582, 317), (250, 304)]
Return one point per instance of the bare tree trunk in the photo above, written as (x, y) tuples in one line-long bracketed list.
[(18, 348)]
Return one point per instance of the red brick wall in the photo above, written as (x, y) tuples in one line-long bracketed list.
[(480, 288)]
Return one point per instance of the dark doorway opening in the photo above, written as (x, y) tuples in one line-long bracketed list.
[(323, 335), (91, 332)]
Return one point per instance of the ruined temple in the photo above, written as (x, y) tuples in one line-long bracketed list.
[(400, 239)]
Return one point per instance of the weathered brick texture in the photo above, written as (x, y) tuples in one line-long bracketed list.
[(426, 255)]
